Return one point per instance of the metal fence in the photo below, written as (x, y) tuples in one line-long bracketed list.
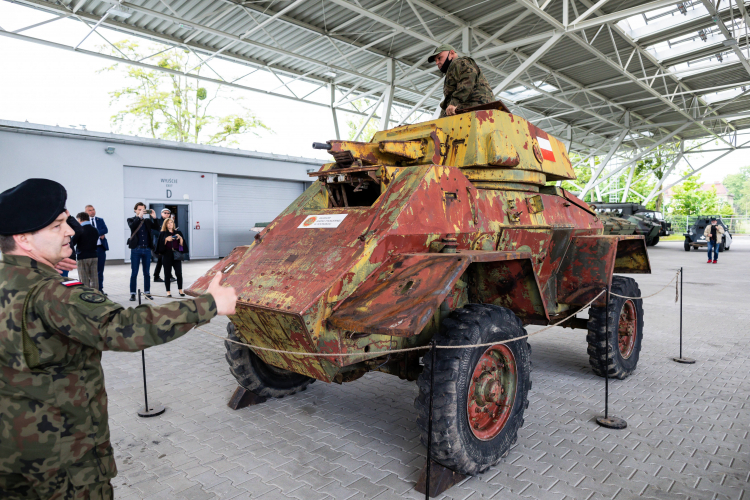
[(736, 225)]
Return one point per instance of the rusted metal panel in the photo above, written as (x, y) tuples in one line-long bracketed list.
[(406, 149), (511, 284), (402, 296), (632, 256), (586, 269)]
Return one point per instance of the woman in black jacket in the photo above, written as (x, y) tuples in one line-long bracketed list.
[(171, 240)]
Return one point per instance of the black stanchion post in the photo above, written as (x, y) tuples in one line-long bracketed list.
[(429, 423), (147, 411), (687, 361), (606, 420)]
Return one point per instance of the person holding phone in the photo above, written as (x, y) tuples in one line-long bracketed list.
[(140, 246), (172, 249)]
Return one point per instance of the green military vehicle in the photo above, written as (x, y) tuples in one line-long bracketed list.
[(648, 223)]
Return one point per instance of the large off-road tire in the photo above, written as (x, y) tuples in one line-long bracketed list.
[(655, 240), (487, 384), (255, 375), (625, 318), (687, 245), (722, 247)]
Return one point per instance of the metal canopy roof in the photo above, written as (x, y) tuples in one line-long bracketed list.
[(615, 79)]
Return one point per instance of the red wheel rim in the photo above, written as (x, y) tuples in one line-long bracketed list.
[(492, 391), (627, 328)]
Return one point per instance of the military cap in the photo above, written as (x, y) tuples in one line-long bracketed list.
[(438, 50), (32, 205)]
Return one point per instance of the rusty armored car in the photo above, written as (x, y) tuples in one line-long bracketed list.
[(448, 230)]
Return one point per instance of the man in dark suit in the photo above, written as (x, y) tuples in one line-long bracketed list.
[(102, 246)]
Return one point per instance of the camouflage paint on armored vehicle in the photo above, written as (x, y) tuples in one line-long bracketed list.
[(616, 225), (446, 230), (648, 223)]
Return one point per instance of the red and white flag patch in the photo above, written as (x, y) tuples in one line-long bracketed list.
[(545, 146), (544, 143), (72, 283)]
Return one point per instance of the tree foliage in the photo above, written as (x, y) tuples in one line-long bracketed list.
[(739, 185), (689, 199), (170, 105)]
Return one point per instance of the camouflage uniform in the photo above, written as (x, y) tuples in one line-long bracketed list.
[(54, 432), (465, 85)]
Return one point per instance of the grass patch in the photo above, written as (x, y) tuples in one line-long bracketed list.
[(672, 237)]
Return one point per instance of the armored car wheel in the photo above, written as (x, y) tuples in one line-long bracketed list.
[(480, 393), (255, 375), (687, 245), (655, 240), (625, 318)]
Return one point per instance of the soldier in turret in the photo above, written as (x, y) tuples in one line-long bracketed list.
[(54, 430), (465, 85)]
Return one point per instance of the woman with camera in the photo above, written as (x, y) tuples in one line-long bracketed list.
[(172, 248)]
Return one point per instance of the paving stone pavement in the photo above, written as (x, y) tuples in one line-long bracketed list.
[(687, 434)]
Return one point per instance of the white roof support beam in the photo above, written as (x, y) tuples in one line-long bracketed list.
[(732, 42), (533, 58), (369, 117), (696, 170), (385, 117), (595, 175), (419, 103), (641, 154), (654, 192), (332, 89)]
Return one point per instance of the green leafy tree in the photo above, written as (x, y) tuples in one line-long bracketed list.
[(171, 105), (739, 186), (689, 199)]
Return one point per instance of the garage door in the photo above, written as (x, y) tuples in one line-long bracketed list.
[(244, 202)]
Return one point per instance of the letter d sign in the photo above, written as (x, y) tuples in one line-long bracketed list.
[(169, 193)]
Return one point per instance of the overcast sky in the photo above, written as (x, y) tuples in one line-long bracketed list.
[(50, 86)]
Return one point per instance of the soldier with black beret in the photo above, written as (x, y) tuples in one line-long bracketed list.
[(54, 431)]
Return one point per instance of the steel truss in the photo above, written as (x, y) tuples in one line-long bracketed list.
[(578, 73)]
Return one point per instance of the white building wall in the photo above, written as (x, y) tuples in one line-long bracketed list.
[(77, 159)]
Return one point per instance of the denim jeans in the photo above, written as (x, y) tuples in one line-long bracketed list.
[(715, 247), (138, 255)]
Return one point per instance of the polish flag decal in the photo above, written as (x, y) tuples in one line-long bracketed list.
[(546, 148), (72, 283), (543, 140)]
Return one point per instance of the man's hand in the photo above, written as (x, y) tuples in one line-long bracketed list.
[(225, 296), (450, 110), (101, 237), (66, 265)]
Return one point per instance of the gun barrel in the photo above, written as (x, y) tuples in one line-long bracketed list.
[(321, 145)]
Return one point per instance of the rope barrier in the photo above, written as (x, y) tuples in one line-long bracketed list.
[(407, 349), (677, 293), (419, 348)]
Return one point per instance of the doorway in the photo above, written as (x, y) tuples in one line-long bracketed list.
[(181, 214)]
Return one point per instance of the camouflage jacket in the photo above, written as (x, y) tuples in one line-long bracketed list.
[(465, 85), (53, 405)]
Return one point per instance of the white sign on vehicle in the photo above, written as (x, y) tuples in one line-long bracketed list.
[(324, 220)]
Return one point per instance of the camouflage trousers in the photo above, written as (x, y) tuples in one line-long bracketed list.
[(61, 486), (84, 480)]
